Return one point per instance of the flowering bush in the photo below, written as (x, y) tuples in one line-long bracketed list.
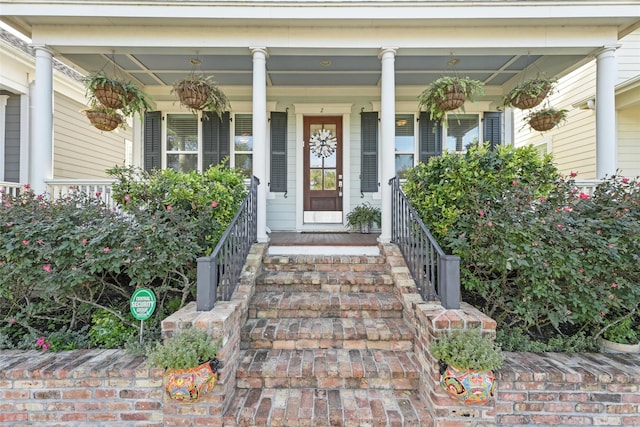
[(536, 253), (63, 261)]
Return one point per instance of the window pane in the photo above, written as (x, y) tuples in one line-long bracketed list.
[(404, 162), (315, 179), (244, 163), (330, 179), (182, 132), (404, 133), (182, 162), (243, 132), (463, 130), (330, 161)]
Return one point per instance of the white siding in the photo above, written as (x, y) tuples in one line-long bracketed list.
[(80, 150), (629, 142), (628, 57)]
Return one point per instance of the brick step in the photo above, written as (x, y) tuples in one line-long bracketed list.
[(322, 304), (309, 407), (343, 281), (312, 333), (324, 263), (327, 368)]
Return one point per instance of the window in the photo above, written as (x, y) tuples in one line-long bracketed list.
[(463, 130), (404, 144), (243, 143), (182, 142)]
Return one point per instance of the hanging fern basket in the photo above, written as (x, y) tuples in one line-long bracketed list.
[(111, 95), (103, 120), (192, 96), (453, 99), (544, 123), (525, 102)]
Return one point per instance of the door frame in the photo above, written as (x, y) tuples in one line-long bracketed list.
[(302, 110)]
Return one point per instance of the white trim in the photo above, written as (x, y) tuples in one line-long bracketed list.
[(3, 121), (322, 109)]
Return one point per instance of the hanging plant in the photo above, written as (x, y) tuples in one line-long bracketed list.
[(530, 93), (448, 94), (546, 118), (104, 118), (201, 93), (116, 94)]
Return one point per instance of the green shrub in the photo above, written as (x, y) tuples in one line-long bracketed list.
[(467, 349), (107, 329), (187, 349), (535, 253)]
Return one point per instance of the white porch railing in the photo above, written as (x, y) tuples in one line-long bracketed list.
[(101, 188), (587, 186), (11, 188)]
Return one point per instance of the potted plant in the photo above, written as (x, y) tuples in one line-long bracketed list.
[(363, 216), (199, 92), (530, 93), (446, 94), (621, 337), (467, 360), (546, 118), (104, 118), (189, 359), (116, 94)]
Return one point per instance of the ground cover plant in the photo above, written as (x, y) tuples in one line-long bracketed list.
[(554, 266), (69, 266)]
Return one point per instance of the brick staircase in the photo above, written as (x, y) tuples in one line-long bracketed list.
[(325, 344)]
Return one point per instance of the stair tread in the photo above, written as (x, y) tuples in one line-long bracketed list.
[(353, 277), (327, 407), (372, 329), (315, 300)]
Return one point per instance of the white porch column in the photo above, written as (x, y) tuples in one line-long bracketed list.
[(606, 139), (387, 139), (41, 150), (260, 135)]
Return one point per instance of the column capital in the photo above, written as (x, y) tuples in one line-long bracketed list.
[(385, 51), (42, 48), (606, 50), (257, 50)]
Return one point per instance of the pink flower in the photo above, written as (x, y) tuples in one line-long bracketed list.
[(40, 197), (584, 196), (560, 226), (489, 224), (543, 199), (214, 204), (98, 193), (612, 297), (127, 198), (25, 242), (612, 245), (12, 321), (481, 212), (106, 249), (40, 342), (614, 285), (40, 242), (567, 208), (625, 180), (514, 182), (46, 346), (9, 224), (598, 232), (47, 267), (581, 270), (27, 186), (169, 207), (573, 174), (84, 241)]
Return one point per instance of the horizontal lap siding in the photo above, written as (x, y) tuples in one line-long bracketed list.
[(12, 140), (629, 142), (281, 211), (80, 150)]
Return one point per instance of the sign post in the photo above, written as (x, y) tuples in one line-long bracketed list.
[(142, 306)]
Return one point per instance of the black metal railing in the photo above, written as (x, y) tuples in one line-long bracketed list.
[(218, 274), (436, 274)]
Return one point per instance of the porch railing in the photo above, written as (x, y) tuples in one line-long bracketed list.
[(10, 188), (218, 274), (99, 188), (436, 274), (587, 186)]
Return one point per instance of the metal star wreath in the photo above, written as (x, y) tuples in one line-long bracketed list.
[(323, 143)]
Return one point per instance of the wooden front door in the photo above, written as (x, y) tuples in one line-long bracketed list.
[(323, 169)]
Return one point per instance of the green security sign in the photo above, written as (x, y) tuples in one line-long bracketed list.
[(143, 303)]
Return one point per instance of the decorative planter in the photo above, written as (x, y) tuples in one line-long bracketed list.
[(471, 387), (187, 385), (544, 123), (111, 96), (194, 97), (452, 100), (525, 102), (616, 347), (103, 120)]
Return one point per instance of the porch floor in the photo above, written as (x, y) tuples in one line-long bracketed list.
[(286, 238)]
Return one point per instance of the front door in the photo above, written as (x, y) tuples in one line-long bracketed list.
[(323, 169)]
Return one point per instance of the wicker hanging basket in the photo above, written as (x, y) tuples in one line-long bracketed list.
[(525, 102), (194, 97), (109, 95), (452, 100), (103, 120), (544, 123)]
